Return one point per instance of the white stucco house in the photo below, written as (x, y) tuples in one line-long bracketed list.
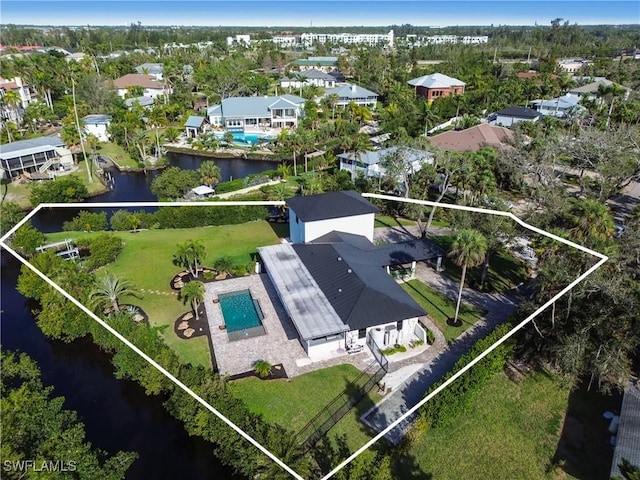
[(151, 87), (238, 113), (372, 163), (352, 93), (514, 114), (98, 126), (335, 286)]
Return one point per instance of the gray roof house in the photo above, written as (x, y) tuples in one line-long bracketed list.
[(154, 69), (371, 164), (33, 156), (145, 102), (559, 107), (337, 289), (98, 126), (195, 125), (510, 115), (238, 113), (353, 93), (312, 76)]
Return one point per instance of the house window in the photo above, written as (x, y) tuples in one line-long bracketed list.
[(362, 333), (399, 325)]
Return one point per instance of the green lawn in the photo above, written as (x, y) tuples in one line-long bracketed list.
[(388, 221), (505, 271), (118, 154), (146, 261), (20, 193), (511, 432), (440, 308), (294, 402)]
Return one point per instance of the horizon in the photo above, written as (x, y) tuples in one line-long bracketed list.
[(284, 14)]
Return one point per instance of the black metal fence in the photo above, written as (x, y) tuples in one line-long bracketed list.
[(342, 404)]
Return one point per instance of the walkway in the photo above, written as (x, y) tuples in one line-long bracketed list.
[(410, 380), (245, 190)]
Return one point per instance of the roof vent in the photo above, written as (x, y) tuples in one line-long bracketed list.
[(339, 290), (349, 270), (339, 259)]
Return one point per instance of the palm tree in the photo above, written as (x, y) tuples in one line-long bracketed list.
[(593, 222), (11, 100), (190, 255), (223, 265), (193, 293), (109, 289), (280, 193), (468, 249), (209, 173), (171, 134)]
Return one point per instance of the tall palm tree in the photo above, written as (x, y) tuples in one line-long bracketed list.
[(190, 255), (593, 221), (468, 249), (193, 293), (209, 173), (109, 289)]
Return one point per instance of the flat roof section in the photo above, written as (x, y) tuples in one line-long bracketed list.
[(306, 304)]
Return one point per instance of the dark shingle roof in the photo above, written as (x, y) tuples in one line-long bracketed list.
[(330, 205), (519, 112), (362, 294)]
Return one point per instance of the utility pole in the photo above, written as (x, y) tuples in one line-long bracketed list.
[(75, 111)]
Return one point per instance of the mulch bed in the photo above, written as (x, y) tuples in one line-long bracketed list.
[(140, 316), (178, 281), (277, 371), (186, 326)]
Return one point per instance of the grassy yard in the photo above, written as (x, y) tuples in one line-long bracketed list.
[(20, 193), (505, 271), (389, 221), (441, 308), (146, 261), (294, 402), (512, 432), (118, 154)]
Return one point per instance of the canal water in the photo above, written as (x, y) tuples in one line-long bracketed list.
[(117, 414)]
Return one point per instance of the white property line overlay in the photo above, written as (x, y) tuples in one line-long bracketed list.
[(603, 259)]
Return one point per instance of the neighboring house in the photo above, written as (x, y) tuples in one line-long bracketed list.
[(312, 76), (337, 289), (153, 69), (559, 107), (151, 87), (473, 138), (34, 156), (145, 102), (510, 115), (338, 76), (75, 57), (627, 440), (353, 93), (24, 97), (437, 85), (371, 164), (591, 91), (195, 126), (572, 65), (98, 126), (239, 39), (326, 64), (238, 113)]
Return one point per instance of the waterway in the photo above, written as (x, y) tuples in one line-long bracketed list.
[(117, 414)]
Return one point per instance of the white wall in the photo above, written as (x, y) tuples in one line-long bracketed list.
[(358, 225), (324, 350), (99, 131)]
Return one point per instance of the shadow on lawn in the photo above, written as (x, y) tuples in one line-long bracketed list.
[(583, 450), (464, 308)]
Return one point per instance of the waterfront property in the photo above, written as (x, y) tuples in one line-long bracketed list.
[(353, 94), (41, 155), (371, 164), (437, 85), (195, 126), (241, 113), (98, 126)]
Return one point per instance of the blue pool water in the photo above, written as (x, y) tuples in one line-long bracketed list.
[(239, 311), (242, 138)]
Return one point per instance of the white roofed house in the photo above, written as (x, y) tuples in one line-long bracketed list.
[(335, 286), (240, 113), (437, 85), (353, 94), (98, 126)]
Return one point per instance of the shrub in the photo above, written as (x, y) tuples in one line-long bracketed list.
[(430, 337), (262, 368), (417, 343), (86, 222), (61, 190), (103, 249), (174, 182), (208, 275), (26, 239), (395, 349)]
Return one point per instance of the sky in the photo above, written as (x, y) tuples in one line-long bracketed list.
[(317, 13)]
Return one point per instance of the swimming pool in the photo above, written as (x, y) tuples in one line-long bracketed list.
[(242, 314), (241, 138)]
